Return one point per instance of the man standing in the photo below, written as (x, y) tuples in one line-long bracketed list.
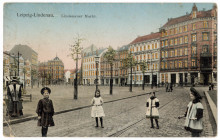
[(14, 98)]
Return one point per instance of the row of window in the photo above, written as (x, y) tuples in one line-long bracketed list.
[(144, 48), (182, 29), (88, 59), (147, 56), (174, 64), (182, 40), (138, 78), (149, 67), (175, 52)]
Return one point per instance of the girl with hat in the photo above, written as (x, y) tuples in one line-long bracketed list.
[(45, 111), (97, 110), (194, 114), (152, 109)]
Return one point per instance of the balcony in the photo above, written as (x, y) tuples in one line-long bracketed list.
[(206, 66), (207, 54)]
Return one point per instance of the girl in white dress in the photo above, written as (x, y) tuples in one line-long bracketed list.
[(97, 110), (152, 109)]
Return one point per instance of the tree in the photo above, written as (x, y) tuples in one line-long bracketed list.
[(143, 69), (130, 62), (33, 74), (110, 57), (75, 51)]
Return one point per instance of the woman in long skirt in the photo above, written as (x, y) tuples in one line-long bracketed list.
[(97, 109)]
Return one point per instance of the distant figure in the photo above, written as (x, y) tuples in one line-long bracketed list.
[(194, 114), (14, 90), (152, 109), (166, 86), (210, 86), (171, 87), (97, 110), (45, 111)]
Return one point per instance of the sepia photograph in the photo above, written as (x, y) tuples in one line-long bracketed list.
[(109, 69)]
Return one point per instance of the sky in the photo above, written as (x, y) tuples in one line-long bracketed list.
[(114, 24)]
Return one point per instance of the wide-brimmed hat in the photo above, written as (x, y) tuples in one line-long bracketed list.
[(45, 88), (195, 93)]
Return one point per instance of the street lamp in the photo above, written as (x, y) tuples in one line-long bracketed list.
[(96, 61)]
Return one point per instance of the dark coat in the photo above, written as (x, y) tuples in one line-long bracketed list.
[(46, 111)]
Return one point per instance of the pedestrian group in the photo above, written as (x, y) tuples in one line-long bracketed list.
[(45, 110)]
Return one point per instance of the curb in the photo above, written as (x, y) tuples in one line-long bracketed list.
[(10, 122), (212, 106)]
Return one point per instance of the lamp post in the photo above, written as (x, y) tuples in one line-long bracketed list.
[(96, 61)]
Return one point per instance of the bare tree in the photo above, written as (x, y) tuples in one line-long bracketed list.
[(75, 52)]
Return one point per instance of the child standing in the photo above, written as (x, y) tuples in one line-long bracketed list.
[(45, 111), (152, 109), (194, 114), (97, 110)]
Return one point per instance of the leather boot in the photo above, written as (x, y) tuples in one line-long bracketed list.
[(101, 120), (156, 120), (152, 123), (97, 123)]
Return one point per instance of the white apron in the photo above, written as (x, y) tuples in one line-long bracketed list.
[(152, 111), (97, 110)]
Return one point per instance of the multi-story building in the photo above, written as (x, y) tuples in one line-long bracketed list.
[(89, 65), (188, 48), (105, 71), (11, 65), (146, 48), (52, 72), (121, 70), (28, 54)]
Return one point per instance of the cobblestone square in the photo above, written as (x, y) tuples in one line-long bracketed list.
[(124, 118)]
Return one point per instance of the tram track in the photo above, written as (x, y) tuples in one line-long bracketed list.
[(123, 130), (16, 121)]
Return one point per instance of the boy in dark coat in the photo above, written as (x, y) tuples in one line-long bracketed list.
[(45, 111)]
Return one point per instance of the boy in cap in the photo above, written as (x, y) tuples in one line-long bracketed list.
[(45, 111)]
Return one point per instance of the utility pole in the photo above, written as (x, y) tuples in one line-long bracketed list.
[(18, 63), (151, 71)]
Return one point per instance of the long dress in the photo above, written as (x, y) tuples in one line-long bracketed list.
[(46, 111), (97, 109), (14, 105), (152, 105)]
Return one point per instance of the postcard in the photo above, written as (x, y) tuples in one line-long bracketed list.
[(110, 69)]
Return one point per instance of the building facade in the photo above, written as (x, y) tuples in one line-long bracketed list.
[(28, 54), (89, 65), (51, 72), (188, 48), (146, 48)]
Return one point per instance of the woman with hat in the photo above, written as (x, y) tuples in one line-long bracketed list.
[(45, 111), (152, 109), (194, 114), (97, 110)]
